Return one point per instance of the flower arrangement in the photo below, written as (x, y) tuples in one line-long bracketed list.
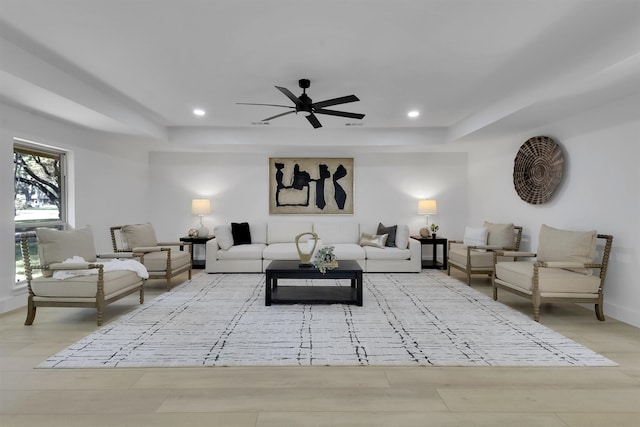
[(434, 228), (325, 259)]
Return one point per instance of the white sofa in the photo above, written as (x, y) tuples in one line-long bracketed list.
[(276, 241)]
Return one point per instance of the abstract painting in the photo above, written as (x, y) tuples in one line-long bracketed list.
[(311, 186)]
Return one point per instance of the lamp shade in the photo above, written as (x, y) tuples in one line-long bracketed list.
[(427, 207), (200, 206)]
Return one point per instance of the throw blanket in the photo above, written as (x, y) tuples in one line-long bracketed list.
[(111, 265)]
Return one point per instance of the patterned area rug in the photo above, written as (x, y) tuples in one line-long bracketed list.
[(425, 319)]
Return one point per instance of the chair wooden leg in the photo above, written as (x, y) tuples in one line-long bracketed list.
[(448, 269), (536, 311), (495, 293), (31, 311), (99, 314), (142, 294), (468, 277), (600, 310)]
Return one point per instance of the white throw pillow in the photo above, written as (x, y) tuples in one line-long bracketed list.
[(474, 236), (402, 236), (223, 236)]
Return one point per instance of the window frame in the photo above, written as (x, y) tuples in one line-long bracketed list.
[(28, 147)]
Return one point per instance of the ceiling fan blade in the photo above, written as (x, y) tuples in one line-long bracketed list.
[(336, 101), (268, 105), (314, 121), (292, 97), (338, 113), (278, 115)]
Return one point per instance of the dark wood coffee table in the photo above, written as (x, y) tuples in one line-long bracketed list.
[(347, 269)]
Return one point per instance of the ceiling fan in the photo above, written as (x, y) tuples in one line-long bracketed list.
[(304, 104)]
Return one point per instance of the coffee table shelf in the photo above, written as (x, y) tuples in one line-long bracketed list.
[(301, 294)]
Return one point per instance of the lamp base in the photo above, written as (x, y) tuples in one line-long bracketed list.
[(425, 232), (203, 232)]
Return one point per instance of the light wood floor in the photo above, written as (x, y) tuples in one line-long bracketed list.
[(318, 396)]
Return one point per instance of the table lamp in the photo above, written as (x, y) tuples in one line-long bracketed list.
[(201, 207), (427, 207)]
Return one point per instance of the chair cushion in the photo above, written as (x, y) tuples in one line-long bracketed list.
[(83, 286), (550, 280), (157, 261), (59, 245), (475, 236), (564, 245), (479, 259), (241, 233), (501, 235), (139, 235)]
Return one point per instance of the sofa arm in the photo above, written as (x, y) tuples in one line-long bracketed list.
[(211, 254), (415, 247)]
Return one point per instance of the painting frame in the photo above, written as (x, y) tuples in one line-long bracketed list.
[(311, 186)]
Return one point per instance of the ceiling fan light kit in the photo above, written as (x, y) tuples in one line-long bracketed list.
[(305, 105)]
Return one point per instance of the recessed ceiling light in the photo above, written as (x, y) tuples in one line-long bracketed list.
[(199, 112), (413, 114)]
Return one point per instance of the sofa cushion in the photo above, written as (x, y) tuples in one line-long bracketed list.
[(241, 233), (501, 235), (552, 280), (346, 251), (243, 252), (337, 232), (375, 240), (59, 245), (139, 235), (387, 253), (286, 232), (277, 251), (258, 232), (224, 237), (474, 236), (402, 236), (564, 245), (391, 231)]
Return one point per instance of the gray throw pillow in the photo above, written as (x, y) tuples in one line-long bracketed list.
[(391, 232)]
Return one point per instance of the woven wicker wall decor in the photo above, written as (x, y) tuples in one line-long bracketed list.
[(537, 169)]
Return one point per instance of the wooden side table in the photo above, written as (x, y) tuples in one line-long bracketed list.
[(434, 241), (198, 263)]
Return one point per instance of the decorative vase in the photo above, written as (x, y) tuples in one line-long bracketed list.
[(305, 257), (424, 232)]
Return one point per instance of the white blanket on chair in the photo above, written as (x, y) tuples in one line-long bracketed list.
[(111, 265)]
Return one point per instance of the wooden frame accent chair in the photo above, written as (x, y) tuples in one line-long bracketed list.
[(84, 283), (163, 260), (474, 254), (563, 270)]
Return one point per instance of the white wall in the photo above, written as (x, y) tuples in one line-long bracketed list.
[(387, 188), (108, 181), (600, 190)]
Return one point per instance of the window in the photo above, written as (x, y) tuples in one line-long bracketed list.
[(39, 194)]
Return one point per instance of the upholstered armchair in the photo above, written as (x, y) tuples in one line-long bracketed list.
[(562, 271), (474, 254), (73, 276), (163, 260)]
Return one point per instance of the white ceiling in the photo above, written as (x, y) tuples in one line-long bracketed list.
[(140, 66)]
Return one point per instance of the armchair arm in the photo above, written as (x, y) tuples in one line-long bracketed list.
[(485, 247), (116, 255), (567, 264), (181, 244), (147, 249), (517, 254), (73, 265)]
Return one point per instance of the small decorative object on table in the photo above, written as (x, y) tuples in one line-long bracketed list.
[(325, 259), (434, 229), (305, 257), (193, 233)]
